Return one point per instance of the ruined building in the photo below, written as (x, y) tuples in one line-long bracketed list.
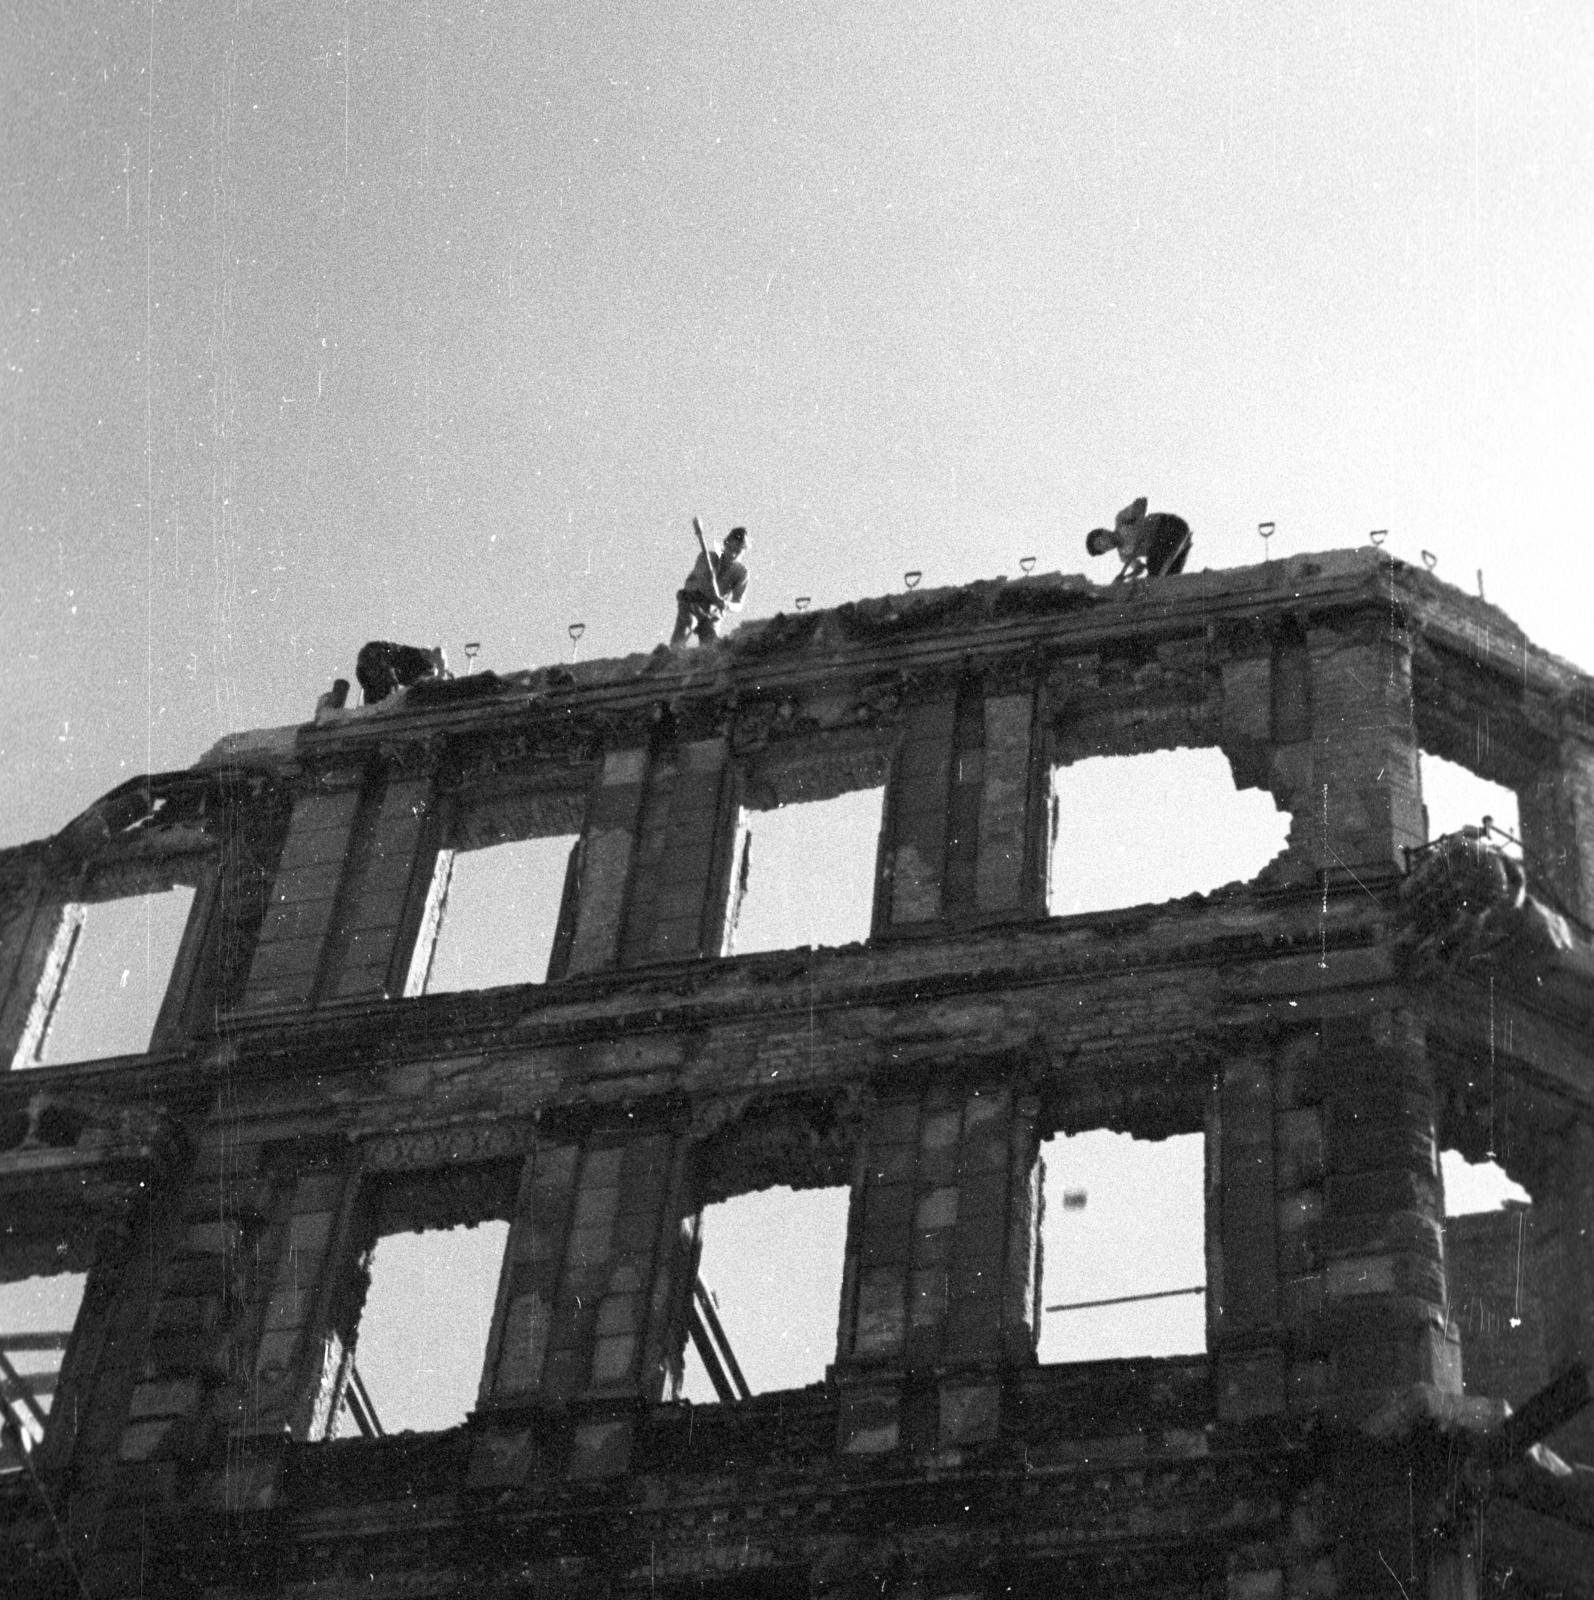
[(1384, 1405)]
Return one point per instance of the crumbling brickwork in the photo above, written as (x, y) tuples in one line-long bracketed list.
[(1328, 1029)]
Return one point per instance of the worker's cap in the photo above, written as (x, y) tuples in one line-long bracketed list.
[(737, 536), (1099, 541)]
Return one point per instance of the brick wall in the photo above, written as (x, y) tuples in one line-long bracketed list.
[(299, 914), (608, 839), (965, 813), (1490, 1263), (940, 1267), (1557, 814), (939, 1458)]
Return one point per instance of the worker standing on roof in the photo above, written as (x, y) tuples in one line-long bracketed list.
[(1154, 545), (716, 583)]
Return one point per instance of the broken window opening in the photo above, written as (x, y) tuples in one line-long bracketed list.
[(497, 915), (1498, 1309), (36, 1320), (1454, 798), (422, 1337), (1476, 1186), (1136, 830), (805, 874), (1123, 1247), (107, 986), (771, 1267)]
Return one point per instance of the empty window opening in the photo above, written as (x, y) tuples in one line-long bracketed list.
[(772, 1263), (1134, 830), (499, 914), (807, 875), (112, 978), (1455, 798), (1474, 1186), (1123, 1221), (423, 1333), (36, 1318)]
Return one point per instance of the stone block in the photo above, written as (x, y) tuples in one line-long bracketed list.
[(1367, 1144), (985, 1150), (1314, 1580), (366, 949), (892, 1163), (915, 887), (973, 1328), (1250, 1385), (525, 1340), (894, 1122), (940, 1130), (1359, 1275), (1310, 1384), (1299, 1221), (969, 1413), (1372, 1232), (564, 1372), (614, 1360), (289, 1308), (607, 858), (552, 1169), (937, 1209), (974, 1277), (933, 1249), (986, 1109), (377, 912), (120, 1574), (501, 1458), (888, 1211), (1383, 1191), (601, 1167), (187, 1313), (869, 1421), (621, 1314), (312, 882), (309, 1233), (600, 1449), (882, 1316), (588, 1247), (596, 1205), (938, 1165), (276, 1352), (142, 1440), (926, 1297), (1444, 1359), (1299, 1146), (629, 1274), (178, 1397), (643, 1191), (1381, 1353), (1301, 1302)]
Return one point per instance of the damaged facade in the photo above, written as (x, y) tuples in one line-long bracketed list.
[(1372, 1412)]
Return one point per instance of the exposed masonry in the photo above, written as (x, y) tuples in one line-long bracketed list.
[(1328, 1028)]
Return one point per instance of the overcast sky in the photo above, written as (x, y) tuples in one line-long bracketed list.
[(328, 322), (325, 322)]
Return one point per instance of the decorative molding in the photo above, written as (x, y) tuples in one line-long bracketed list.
[(463, 1142)]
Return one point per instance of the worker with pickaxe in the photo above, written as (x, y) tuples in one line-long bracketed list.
[(1152, 546), (715, 584)]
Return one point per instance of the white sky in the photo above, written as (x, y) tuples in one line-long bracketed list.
[(438, 322), (432, 322)]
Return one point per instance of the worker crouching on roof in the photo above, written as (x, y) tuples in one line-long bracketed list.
[(1154, 545), (716, 584)]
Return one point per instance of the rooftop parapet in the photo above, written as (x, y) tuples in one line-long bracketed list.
[(927, 628)]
